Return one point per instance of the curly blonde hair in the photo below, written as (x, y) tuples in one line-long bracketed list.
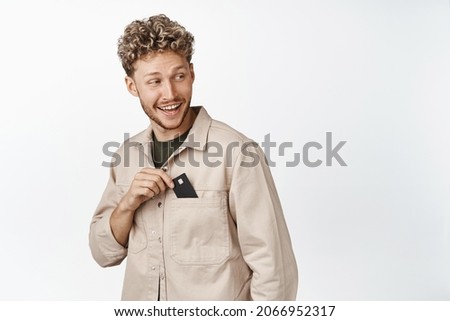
[(154, 34)]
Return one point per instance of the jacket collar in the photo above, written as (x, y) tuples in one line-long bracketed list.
[(198, 134)]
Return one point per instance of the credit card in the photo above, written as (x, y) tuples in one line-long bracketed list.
[(183, 187)]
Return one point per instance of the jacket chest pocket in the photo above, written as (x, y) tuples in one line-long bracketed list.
[(199, 232)]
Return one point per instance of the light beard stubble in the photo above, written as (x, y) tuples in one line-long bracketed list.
[(158, 121)]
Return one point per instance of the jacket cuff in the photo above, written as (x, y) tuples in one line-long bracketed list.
[(106, 241)]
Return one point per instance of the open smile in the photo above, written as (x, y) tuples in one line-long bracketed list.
[(170, 109)]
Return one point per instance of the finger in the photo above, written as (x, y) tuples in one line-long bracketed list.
[(152, 185), (158, 180), (145, 193), (156, 171), (150, 179)]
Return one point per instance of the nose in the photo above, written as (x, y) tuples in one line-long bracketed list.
[(168, 91)]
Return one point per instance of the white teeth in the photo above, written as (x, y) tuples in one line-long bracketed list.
[(171, 107)]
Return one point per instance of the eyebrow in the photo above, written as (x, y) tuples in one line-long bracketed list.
[(158, 73)]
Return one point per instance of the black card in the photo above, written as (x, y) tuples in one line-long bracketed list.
[(183, 187)]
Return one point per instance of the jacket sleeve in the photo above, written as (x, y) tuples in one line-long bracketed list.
[(263, 235), (104, 247)]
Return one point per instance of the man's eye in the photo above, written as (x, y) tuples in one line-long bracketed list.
[(179, 77), (154, 82)]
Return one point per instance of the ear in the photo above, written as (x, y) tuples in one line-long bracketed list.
[(131, 86), (191, 70)]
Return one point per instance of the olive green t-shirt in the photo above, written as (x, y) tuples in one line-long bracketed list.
[(163, 150)]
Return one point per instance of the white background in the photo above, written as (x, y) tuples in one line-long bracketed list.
[(374, 73)]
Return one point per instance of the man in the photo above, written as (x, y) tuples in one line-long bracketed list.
[(220, 233)]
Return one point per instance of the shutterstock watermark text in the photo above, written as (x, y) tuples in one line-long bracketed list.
[(327, 153)]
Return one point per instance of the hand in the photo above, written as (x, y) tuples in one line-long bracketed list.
[(146, 184)]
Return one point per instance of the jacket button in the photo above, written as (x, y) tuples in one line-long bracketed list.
[(159, 204)]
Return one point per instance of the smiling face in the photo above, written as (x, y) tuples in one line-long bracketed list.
[(163, 83)]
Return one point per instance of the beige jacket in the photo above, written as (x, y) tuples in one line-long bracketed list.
[(230, 243)]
